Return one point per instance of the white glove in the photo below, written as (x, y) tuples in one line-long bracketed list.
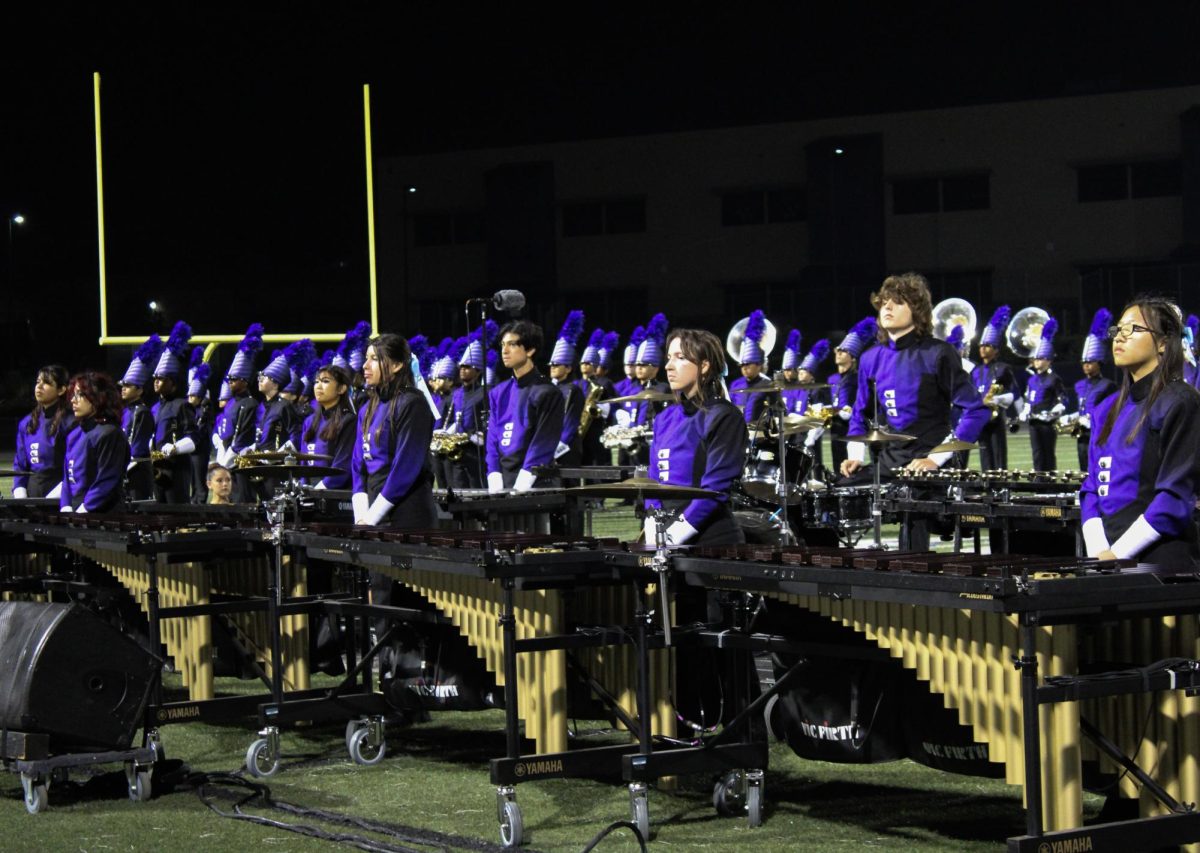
[(495, 483), (185, 445), (20, 492), (227, 458), (561, 449), (1085, 421), (1024, 416), (1003, 401), (287, 445), (218, 444), (1095, 539), (622, 417), (856, 450), (320, 485), (378, 511), (680, 532), (845, 413), (478, 438), (359, 504), (55, 492), (168, 449), (814, 435), (1058, 409), (604, 409), (132, 464), (525, 480), (648, 530), (66, 508), (82, 510)]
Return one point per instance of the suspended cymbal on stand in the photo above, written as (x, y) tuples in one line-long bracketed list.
[(647, 396), (281, 455), (780, 385), (640, 488), (876, 436)]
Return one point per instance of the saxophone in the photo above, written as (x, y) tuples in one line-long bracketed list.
[(449, 445), (591, 406), (989, 398)]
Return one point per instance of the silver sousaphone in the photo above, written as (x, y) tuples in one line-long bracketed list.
[(1024, 331), (954, 312)]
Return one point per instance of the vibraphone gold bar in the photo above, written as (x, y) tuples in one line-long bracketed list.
[(959, 622)]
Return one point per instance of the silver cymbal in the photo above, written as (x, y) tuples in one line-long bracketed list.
[(876, 436), (642, 487)]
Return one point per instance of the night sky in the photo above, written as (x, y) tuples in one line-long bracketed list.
[(233, 149)]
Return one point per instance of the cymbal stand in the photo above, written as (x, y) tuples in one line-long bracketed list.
[(876, 490), (786, 535), (660, 563)]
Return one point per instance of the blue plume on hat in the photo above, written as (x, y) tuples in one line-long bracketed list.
[(444, 367), (171, 362), (635, 340), (242, 366), (361, 335), (568, 337), (650, 351), (198, 383), (1193, 323), (860, 336), (608, 345), (144, 357), (591, 353), (300, 355), (791, 352), (460, 347), (1094, 344), (993, 332), (955, 338), (492, 358), (197, 357), (326, 359), (751, 349), (1045, 347), (815, 356)]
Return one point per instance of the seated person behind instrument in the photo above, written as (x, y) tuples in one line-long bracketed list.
[(329, 431), (526, 414), (916, 379), (699, 441), (42, 437), (1139, 495), (220, 484), (97, 452)]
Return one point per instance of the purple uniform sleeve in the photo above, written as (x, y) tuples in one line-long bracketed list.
[(492, 450), (725, 439), (110, 456), (358, 470), (572, 412), (1178, 477), (21, 459), (411, 431), (1089, 500), (546, 421), (342, 450), (974, 415)]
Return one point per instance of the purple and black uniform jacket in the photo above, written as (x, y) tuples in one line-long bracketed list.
[(699, 446), (916, 381), (462, 413), (276, 425), (752, 405), (137, 422), (572, 413), (843, 391), (440, 402), (984, 376), (41, 453), (96, 457), (798, 400), (391, 453), (1089, 393), (643, 410), (174, 420), (341, 448), (1044, 391), (240, 424), (1156, 476), (526, 424)]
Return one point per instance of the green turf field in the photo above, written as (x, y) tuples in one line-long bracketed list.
[(434, 778)]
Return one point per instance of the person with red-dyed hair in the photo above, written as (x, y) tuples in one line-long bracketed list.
[(97, 450)]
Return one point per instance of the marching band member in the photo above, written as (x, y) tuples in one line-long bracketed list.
[(42, 437), (698, 441), (391, 477), (465, 413), (1093, 387), (97, 453), (650, 357), (277, 422), (443, 380), (301, 361), (916, 379), (798, 401), (137, 422), (753, 361), (1143, 474), (1191, 345), (570, 443), (996, 384), (1046, 399), (526, 414), (843, 389), (219, 485), (596, 388), (198, 399), (174, 421), (330, 429), (356, 353), (957, 338), (622, 413), (236, 433)]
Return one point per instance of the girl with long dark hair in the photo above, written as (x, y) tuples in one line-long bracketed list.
[(42, 436), (698, 441), (97, 452), (330, 429), (1139, 495)]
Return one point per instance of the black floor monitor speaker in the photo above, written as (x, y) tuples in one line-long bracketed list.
[(67, 673)]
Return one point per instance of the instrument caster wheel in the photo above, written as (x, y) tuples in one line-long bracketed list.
[(754, 799), (140, 787), (639, 809), (37, 798), (512, 827), (351, 727), (729, 793), (261, 761), (361, 750)]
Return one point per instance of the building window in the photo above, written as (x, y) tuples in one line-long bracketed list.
[(613, 216), (760, 207), (949, 194), (445, 229), (1121, 181)]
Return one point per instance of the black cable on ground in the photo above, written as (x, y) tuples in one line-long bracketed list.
[(620, 824)]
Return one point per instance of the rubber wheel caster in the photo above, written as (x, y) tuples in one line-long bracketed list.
[(260, 762), (512, 827), (361, 751)]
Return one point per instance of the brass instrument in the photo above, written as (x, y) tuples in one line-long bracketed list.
[(1071, 427), (449, 445), (954, 312), (822, 413), (1024, 331), (158, 456), (626, 437), (990, 397), (591, 406), (733, 341)]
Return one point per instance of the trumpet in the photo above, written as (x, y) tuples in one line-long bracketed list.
[(449, 445)]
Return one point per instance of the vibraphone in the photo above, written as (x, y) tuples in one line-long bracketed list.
[(523, 601), (181, 567), (1006, 501), (535, 511), (961, 622)]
